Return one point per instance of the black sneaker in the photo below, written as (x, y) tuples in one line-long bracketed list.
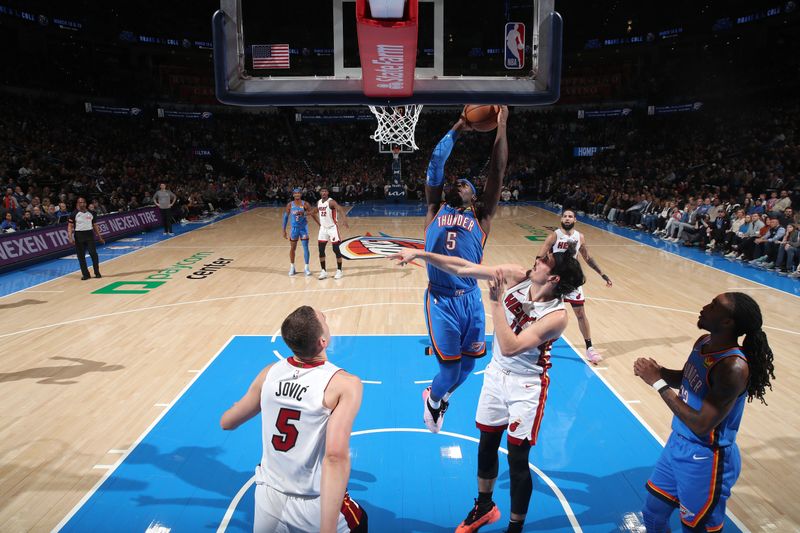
[(478, 517), (84, 278)]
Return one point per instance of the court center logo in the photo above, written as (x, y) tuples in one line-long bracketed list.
[(153, 281), (371, 247)]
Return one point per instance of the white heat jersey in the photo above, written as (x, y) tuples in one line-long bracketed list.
[(563, 241), (293, 426), (521, 312), (327, 213)]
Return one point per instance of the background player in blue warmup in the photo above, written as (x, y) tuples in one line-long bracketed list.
[(296, 211), (453, 305), (701, 461)]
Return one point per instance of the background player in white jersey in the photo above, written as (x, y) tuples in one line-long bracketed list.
[(557, 242), (528, 317), (307, 408), (330, 214)]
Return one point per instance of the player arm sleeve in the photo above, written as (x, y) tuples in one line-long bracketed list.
[(285, 219), (435, 173)]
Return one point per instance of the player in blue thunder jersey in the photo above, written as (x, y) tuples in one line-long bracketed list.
[(453, 305), (296, 212), (700, 462)]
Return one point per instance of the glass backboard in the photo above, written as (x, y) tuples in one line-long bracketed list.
[(268, 52)]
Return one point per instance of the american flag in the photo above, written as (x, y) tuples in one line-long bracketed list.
[(270, 56)]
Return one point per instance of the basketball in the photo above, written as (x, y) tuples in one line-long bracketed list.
[(481, 117)]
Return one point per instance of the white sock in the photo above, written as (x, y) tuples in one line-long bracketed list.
[(446, 396), (435, 404)]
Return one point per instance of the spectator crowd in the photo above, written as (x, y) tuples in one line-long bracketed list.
[(723, 179)]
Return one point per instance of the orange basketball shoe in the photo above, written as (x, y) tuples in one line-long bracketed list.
[(479, 517)]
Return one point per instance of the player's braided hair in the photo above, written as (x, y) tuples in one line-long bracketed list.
[(569, 270), (748, 321)]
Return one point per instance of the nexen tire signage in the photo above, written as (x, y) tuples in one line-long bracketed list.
[(186, 266)]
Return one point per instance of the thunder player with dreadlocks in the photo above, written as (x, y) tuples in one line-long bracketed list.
[(701, 461), (453, 305)]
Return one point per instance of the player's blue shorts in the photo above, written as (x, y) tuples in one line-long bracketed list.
[(299, 232), (456, 324), (697, 479)]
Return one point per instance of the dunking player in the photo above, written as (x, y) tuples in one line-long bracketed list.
[(701, 461), (558, 242), (453, 304), (527, 318), (297, 212), (307, 408), (329, 214)]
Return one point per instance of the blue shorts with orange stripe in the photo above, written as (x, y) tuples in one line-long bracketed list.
[(697, 479), (456, 324)]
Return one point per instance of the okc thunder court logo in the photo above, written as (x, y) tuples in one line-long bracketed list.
[(371, 247)]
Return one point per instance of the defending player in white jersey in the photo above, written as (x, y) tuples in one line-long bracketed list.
[(528, 317), (330, 213), (557, 242), (307, 408)]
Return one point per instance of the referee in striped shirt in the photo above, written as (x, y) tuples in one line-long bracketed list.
[(81, 230)]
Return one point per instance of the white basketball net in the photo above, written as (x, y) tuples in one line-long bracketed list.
[(396, 125)]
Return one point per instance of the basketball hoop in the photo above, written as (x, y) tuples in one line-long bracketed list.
[(396, 125)]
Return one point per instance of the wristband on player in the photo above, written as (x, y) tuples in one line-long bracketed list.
[(604, 276), (660, 386)]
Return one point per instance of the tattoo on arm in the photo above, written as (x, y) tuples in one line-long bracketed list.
[(672, 377), (591, 262), (728, 381)]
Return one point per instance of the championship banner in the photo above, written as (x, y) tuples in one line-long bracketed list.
[(24, 246), (195, 115), (604, 113), (369, 247)]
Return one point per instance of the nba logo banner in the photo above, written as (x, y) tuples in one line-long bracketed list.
[(515, 45)]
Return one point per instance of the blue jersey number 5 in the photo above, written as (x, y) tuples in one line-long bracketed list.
[(450, 244)]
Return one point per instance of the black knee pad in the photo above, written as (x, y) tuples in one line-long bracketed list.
[(520, 473), (322, 248), (336, 250), (487, 454)]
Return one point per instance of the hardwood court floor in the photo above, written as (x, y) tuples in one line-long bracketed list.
[(83, 375)]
